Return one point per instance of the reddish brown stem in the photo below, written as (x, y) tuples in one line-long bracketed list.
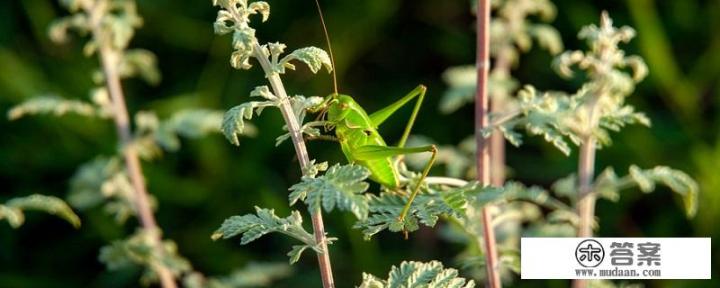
[(109, 60), (481, 122), (502, 67)]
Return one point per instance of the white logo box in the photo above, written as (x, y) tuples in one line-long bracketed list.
[(555, 258)]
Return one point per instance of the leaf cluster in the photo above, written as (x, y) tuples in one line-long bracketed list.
[(418, 274), (253, 226), (140, 250)]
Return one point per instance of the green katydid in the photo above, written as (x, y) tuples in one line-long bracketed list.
[(357, 133)]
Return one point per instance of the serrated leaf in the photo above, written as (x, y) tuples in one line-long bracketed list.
[(194, 123), (514, 191), (314, 57), (56, 106), (264, 221), (412, 274), (340, 186), (676, 180), (233, 123), (428, 207), (296, 252)]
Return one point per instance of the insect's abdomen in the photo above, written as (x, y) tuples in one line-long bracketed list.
[(382, 170)]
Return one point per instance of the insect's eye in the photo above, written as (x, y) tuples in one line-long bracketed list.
[(367, 132), (343, 106)]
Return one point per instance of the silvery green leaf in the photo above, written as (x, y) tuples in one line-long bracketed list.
[(233, 123), (58, 29), (54, 105), (194, 123), (49, 204), (140, 62), (638, 67), (314, 57), (548, 37), (264, 92), (606, 185), (264, 221), (296, 252), (14, 216), (417, 274), (104, 181), (340, 186), (261, 7), (514, 191), (221, 26), (428, 206), (676, 180), (461, 88), (621, 116), (566, 187), (243, 42)]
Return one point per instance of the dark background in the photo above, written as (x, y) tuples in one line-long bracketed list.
[(383, 49)]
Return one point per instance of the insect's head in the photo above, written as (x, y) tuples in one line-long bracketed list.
[(338, 107)]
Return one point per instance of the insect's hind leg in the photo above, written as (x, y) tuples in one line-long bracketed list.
[(381, 115), (416, 189), (372, 152)]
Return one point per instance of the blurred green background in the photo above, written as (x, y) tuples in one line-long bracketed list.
[(383, 49)]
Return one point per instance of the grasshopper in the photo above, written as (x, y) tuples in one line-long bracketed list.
[(357, 133)]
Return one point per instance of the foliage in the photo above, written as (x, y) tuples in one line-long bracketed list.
[(52, 105), (511, 33), (417, 274), (153, 135), (252, 275), (139, 249), (429, 205), (264, 221), (234, 16), (103, 181), (596, 108), (14, 209), (646, 179), (340, 186)]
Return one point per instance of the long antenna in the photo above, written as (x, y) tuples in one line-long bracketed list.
[(329, 46)]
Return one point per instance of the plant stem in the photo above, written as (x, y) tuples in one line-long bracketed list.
[(586, 199), (302, 155), (481, 122), (586, 173), (497, 141), (109, 60)]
